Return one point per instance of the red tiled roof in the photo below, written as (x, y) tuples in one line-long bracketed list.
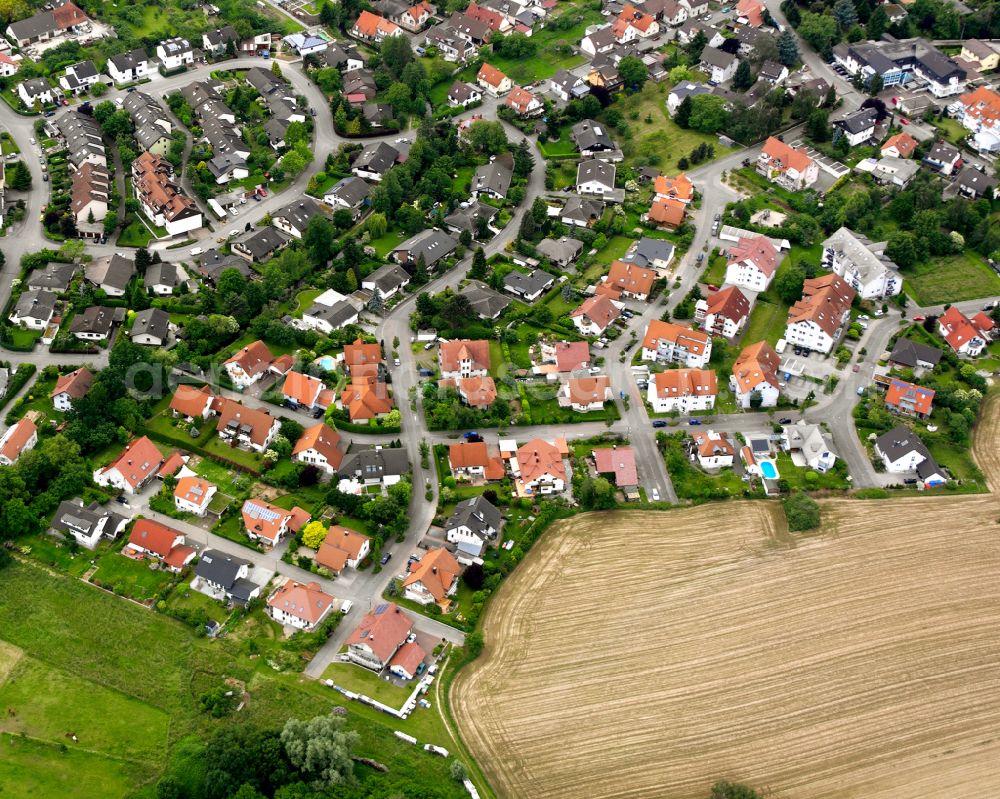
[(263, 519), (76, 384), (588, 390), (678, 188), (824, 300), (451, 353), (491, 75), (667, 212), (538, 458), (365, 398), (686, 383), (784, 157), (408, 657), (16, 438), (340, 545), (171, 465), (191, 400), (253, 358), (957, 328), (920, 398), (729, 303), (382, 630), (571, 355), (436, 571), (471, 454), (695, 341), (304, 389), (619, 461), (325, 440), (904, 143), (260, 421), (362, 359), (137, 462), (306, 601), (194, 489), (154, 537), (757, 364), (759, 251), (599, 309)]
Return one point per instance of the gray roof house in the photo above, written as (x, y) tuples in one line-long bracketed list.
[(468, 218), (151, 327), (473, 522), (432, 244), (34, 309), (529, 287), (561, 252), (653, 253), (294, 218), (903, 451), (913, 354), (87, 524), (111, 274), (486, 303), (374, 465), (54, 277), (973, 184), (213, 263), (374, 161), (581, 211), (95, 323), (348, 193), (492, 179), (261, 244), (227, 575), (595, 177), (592, 137), (387, 279)]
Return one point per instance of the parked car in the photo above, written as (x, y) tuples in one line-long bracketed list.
[(919, 318), (395, 361), (694, 422), (659, 423), (654, 495), (386, 558), (346, 607), (785, 420)]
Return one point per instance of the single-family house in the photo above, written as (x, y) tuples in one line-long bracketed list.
[(433, 578), (857, 127), (349, 194), (248, 364), (129, 67), (17, 439), (789, 167), (902, 145), (754, 381), (94, 324), (343, 549), (911, 354), (193, 494), (618, 463), (268, 523), (383, 466), (461, 358), (720, 65), (595, 315), (909, 399), (539, 468), (902, 451), (595, 177), (381, 633), (133, 469), (963, 335), (294, 218), (70, 387), (470, 460), (192, 402), (811, 442), (34, 309), (304, 391), (150, 539), (226, 577), (713, 450), (320, 446), (472, 524), (151, 327), (174, 54), (560, 252), (493, 81), (87, 524), (247, 428), (586, 394), (299, 605), (528, 287), (492, 180), (524, 103), (627, 281)]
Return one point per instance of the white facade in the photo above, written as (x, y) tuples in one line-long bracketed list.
[(747, 275), (682, 404), (768, 393), (62, 402), (174, 54), (197, 508), (810, 335)]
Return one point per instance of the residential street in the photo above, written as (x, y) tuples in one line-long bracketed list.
[(365, 588)]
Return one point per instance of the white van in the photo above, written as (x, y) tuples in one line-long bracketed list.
[(197, 250), (346, 607)]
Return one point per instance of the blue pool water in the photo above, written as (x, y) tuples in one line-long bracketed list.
[(327, 362), (769, 470)]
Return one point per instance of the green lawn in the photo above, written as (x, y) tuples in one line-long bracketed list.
[(52, 552), (305, 298), (131, 577), (802, 478), (218, 447), (767, 322), (549, 412), (614, 249), (7, 144), (964, 276), (183, 596), (24, 339), (355, 678), (564, 147), (715, 274), (142, 657), (34, 770), (384, 245), (656, 138), (49, 702), (177, 431), (952, 129), (38, 399), (135, 234), (154, 19)]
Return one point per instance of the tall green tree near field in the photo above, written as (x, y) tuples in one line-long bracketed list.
[(724, 789), (320, 749)]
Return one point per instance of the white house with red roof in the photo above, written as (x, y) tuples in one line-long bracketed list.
[(565, 356), (17, 439), (321, 446), (381, 633), (595, 315), (71, 387), (668, 342), (752, 263), (587, 393), (462, 358), (755, 372), (682, 390), (815, 320), (269, 523), (433, 579), (787, 166), (523, 102), (714, 450), (539, 468), (618, 463), (724, 313), (249, 364), (305, 391), (192, 402), (493, 81), (136, 466), (193, 494), (963, 334), (150, 539), (633, 24), (299, 605)]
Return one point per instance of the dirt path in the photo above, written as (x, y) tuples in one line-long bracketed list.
[(649, 654)]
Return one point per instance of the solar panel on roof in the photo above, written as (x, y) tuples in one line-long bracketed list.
[(262, 513), (381, 608)]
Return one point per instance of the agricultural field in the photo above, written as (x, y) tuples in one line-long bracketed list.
[(857, 661)]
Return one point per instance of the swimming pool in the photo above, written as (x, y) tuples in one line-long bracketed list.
[(327, 362), (768, 470)]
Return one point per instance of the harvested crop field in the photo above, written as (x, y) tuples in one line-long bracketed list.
[(650, 654)]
